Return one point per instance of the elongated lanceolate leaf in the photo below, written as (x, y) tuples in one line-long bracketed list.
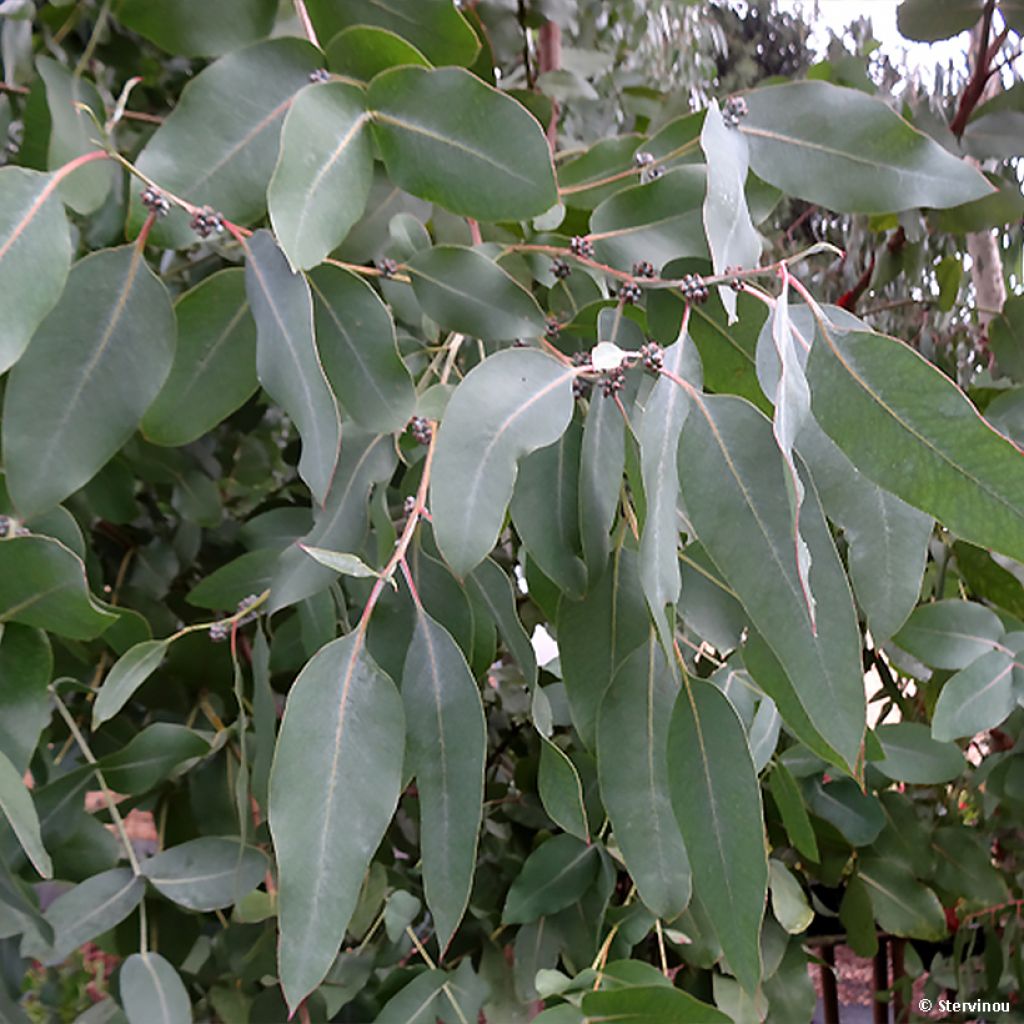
[(874, 395), (648, 1004), (447, 743), (208, 873), (219, 145), (130, 671), (448, 137), (493, 589), (978, 697), (717, 803), (355, 336), (26, 668), (17, 807), (323, 174), (509, 405), (288, 362), (334, 786), (850, 152), (634, 777), (664, 415), (152, 992), (555, 875), (731, 236), (950, 634), (214, 369), (93, 368), (745, 526), (561, 790), (35, 253), (913, 755)]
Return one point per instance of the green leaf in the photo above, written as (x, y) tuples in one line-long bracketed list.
[(107, 345), (446, 136), (150, 756), (790, 803), (911, 755), (130, 671), (648, 1004), (342, 522), (248, 574), (209, 873), (664, 415), (196, 28), (887, 538), (74, 133), (214, 369), (730, 232), (657, 222), (717, 803), (418, 1002), (434, 27), (977, 698), (873, 395), (561, 791), (927, 21), (506, 407), (363, 51), (323, 173), (43, 584), (857, 917), (554, 876), (1006, 337), (850, 152), (152, 992), (632, 747), (857, 815), (219, 145), (903, 906), (447, 744), (341, 561), (35, 253), (726, 440), (950, 634), (334, 786), (493, 589), (462, 290), (20, 812), (963, 865), (89, 909), (287, 360), (355, 337), (596, 634), (26, 666), (545, 511), (789, 902)]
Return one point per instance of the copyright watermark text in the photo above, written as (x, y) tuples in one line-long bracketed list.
[(975, 1006)]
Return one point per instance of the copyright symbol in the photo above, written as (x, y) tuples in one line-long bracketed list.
[(925, 1005)]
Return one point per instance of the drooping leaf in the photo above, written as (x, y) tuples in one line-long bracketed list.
[(447, 744), (150, 756), (152, 992), (26, 666), (219, 145), (355, 337), (130, 671), (731, 236), (363, 51), (872, 394), (287, 360), (334, 785), (35, 254), (340, 525), (555, 875), (561, 791), (790, 803), (850, 152), (840, 802), (727, 440), (912, 755), (418, 1002), (508, 406), (465, 291), (635, 780), (242, 577), (664, 415), (950, 634), (434, 27), (978, 697), (17, 807), (196, 28), (340, 561), (94, 366), (649, 1004), (789, 902), (494, 591), (857, 917), (717, 803), (214, 369), (209, 873), (43, 584), (446, 136), (903, 906), (323, 173)]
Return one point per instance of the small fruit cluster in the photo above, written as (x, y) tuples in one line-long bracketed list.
[(734, 111), (583, 247), (10, 527), (581, 388), (694, 289), (652, 356), (420, 429), (206, 221), (613, 381), (644, 269), (551, 328), (155, 201), (220, 631), (387, 267), (560, 269), (319, 76), (630, 293)]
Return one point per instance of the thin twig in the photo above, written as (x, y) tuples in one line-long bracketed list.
[(307, 24)]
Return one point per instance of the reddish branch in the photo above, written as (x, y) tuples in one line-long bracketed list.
[(983, 70)]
